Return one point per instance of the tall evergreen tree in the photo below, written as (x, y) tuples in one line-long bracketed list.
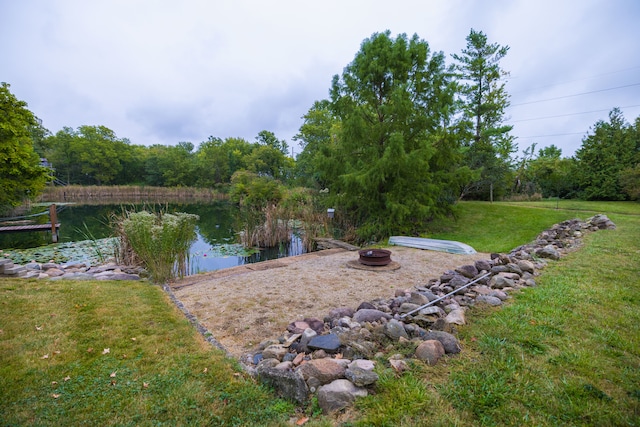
[(485, 99), (393, 102), (604, 154)]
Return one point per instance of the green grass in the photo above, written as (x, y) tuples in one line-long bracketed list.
[(501, 226), (163, 371), (566, 352)]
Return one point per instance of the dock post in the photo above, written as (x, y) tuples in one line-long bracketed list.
[(53, 217)]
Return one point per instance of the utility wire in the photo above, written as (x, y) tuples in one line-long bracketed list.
[(569, 114), (547, 136), (575, 94), (575, 80)]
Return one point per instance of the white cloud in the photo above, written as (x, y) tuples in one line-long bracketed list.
[(164, 72)]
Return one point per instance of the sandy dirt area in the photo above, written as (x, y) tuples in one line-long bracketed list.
[(244, 305)]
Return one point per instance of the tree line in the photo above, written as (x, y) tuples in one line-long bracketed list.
[(403, 135)]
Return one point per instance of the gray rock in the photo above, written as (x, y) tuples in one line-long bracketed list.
[(369, 315), (32, 266), (339, 312), (548, 252), (498, 294), (288, 384), (306, 336), (483, 264), (449, 342), (48, 265), (430, 352), (408, 307), (499, 282), (325, 370), (394, 329), (456, 317), (526, 266), (418, 298), (124, 276), (297, 327), (486, 299), (274, 351), (458, 281), (360, 377), (329, 343), (431, 310), (366, 364), (54, 272), (315, 324), (468, 271), (366, 306), (338, 395)]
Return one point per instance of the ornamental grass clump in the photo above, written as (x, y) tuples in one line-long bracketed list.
[(161, 242)]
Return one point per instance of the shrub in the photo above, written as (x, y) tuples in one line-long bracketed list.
[(161, 241)]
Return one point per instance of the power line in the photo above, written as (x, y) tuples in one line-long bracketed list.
[(569, 114), (576, 80), (548, 136), (575, 94)]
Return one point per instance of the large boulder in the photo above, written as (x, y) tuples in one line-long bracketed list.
[(430, 351), (338, 395), (449, 342), (325, 370), (287, 384)]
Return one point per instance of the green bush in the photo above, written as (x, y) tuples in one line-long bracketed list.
[(161, 241)]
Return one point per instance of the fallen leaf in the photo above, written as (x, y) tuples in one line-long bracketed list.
[(1, 331), (145, 385), (55, 396), (236, 374), (302, 421), (90, 350), (124, 356), (67, 378), (205, 370), (106, 350), (133, 339), (56, 352), (113, 382), (38, 328), (113, 374), (54, 383), (46, 356)]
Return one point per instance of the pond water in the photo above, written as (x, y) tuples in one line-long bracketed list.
[(216, 246)]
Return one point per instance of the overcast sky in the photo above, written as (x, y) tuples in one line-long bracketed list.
[(161, 72)]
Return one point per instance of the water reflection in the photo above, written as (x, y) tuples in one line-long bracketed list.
[(215, 247)]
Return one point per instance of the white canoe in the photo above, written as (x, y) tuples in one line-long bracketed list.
[(449, 246)]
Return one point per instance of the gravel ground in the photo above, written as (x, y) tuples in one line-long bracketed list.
[(244, 305)]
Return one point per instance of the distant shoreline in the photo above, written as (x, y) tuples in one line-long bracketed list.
[(128, 194)]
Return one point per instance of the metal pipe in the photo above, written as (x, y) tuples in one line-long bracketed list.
[(402, 316)]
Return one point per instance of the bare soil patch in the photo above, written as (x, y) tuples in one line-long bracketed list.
[(244, 305)]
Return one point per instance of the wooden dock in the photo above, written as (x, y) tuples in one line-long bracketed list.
[(52, 226)]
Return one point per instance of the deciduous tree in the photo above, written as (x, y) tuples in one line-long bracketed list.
[(21, 175)]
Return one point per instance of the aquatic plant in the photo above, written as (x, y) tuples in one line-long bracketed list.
[(160, 242)]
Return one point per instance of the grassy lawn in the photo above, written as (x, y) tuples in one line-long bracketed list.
[(115, 353), (566, 352)]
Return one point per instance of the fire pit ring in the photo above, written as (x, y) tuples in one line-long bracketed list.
[(374, 257)]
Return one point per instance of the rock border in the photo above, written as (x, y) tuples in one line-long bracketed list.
[(334, 358)]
